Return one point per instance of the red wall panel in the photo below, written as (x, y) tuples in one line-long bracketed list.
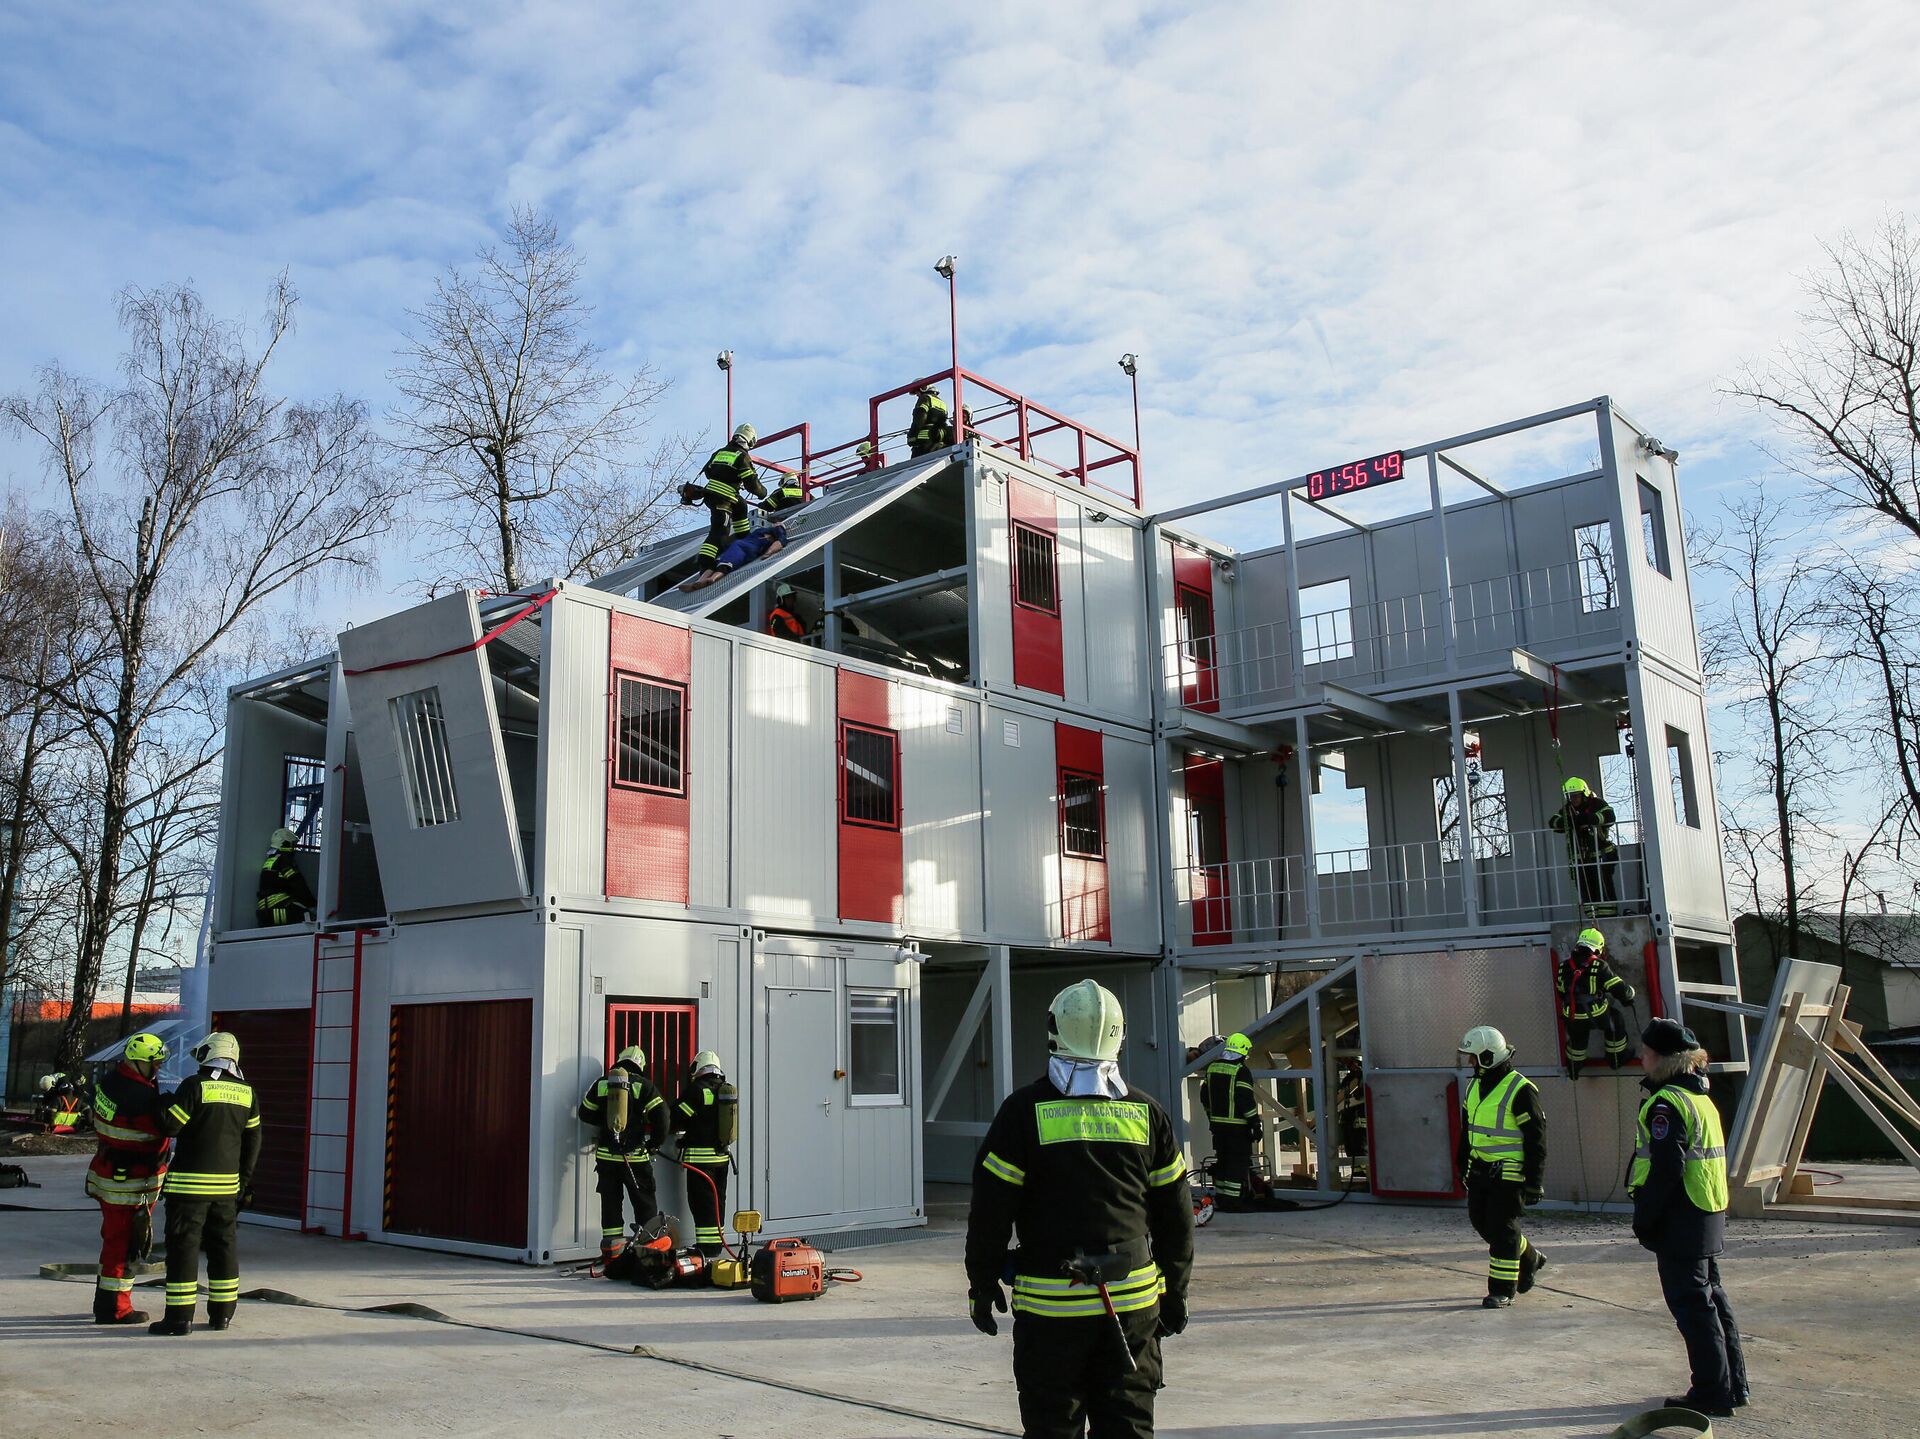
[(1086, 911), (276, 1053), (872, 859), (460, 1080), (1038, 660), (1199, 653), (1212, 894), (647, 832)]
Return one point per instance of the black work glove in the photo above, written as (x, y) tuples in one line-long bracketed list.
[(246, 1197), (1173, 1315), (985, 1301), (1532, 1194)]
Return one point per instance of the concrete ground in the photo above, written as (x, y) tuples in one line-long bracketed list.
[(1358, 1321)]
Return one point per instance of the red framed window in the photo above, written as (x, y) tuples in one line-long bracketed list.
[(1035, 569), (869, 775), (649, 734), (1083, 815)]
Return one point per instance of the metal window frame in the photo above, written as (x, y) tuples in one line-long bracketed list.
[(1017, 528), (317, 791), (436, 793), (620, 676), (1099, 783), (892, 737), (898, 1098)]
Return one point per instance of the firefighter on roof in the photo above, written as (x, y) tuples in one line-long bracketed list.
[(1592, 997), (930, 428), (630, 1119), (126, 1173), (782, 622), (788, 494), (1678, 1181), (707, 1119), (1502, 1155), (215, 1120), (729, 471), (1088, 1174), (284, 896), (1587, 821), (1233, 1115)]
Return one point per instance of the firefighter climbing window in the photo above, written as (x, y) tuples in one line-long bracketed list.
[(1686, 804), (1035, 585), (1083, 815), (869, 776), (1593, 560), (303, 784), (426, 764), (649, 734), (873, 1047), (1326, 622)]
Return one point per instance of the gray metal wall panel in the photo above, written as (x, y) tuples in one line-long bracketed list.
[(784, 760), (259, 737), (1074, 608), (274, 973), (1412, 1133), (1418, 1005), (1133, 861), (1690, 858), (1114, 588), (574, 720), (710, 773), (1023, 864), (942, 829), (1662, 606), (991, 598), (1589, 1134)]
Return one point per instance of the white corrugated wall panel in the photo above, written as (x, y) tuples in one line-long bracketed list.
[(1023, 860), (1073, 601), (1114, 589), (940, 794), (1690, 862), (992, 594), (1133, 876), (710, 770), (785, 760), (574, 720)]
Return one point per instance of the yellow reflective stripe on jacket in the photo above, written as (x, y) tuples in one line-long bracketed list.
[(202, 1186), (1065, 1299), (178, 1113), (1084, 1121), (1168, 1173), (1003, 1169)]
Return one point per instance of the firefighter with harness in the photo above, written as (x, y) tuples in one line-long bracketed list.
[(1089, 1175), (707, 1119), (126, 1173), (1233, 1115), (1592, 996), (629, 1117), (728, 472), (1587, 821)]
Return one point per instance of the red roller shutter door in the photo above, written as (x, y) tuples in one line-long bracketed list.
[(276, 1055)]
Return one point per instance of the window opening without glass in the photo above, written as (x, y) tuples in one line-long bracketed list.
[(1034, 576), (303, 787), (426, 764), (1686, 804), (1620, 781), (1326, 622), (650, 734), (1082, 815), (874, 1047), (1593, 557), (1340, 835), (869, 781), (1653, 527), (1195, 616), (1492, 831)]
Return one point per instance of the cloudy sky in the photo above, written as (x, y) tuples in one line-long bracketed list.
[(1327, 229)]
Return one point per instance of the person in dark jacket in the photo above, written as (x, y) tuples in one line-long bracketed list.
[(126, 1173), (1087, 1172), (1233, 1116), (623, 1152), (1502, 1158), (1587, 821), (727, 476), (1592, 996), (705, 1118), (1678, 1182), (214, 1119), (931, 428), (284, 896)]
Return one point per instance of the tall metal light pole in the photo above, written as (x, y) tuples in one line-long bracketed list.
[(725, 361), (944, 266), (1131, 364)]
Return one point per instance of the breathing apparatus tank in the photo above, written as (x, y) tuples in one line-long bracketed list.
[(619, 1088), (726, 1114)]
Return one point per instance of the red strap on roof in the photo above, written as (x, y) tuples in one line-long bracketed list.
[(487, 638)]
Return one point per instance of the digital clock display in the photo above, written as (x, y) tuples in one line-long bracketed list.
[(1360, 475)]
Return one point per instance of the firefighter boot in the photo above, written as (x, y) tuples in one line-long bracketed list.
[(1530, 1268), (1496, 1301), (174, 1324), (132, 1316), (219, 1316)]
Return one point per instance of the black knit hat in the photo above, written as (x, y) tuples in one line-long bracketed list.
[(1669, 1036)]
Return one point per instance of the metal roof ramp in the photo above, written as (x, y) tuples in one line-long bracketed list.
[(809, 529)]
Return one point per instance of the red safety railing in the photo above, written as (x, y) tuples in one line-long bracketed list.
[(1011, 420)]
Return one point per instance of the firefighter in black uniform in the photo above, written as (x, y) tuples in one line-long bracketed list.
[(214, 1119), (1592, 996), (1587, 821), (630, 1118), (284, 895), (1679, 1186), (1088, 1173), (789, 493), (727, 473), (1233, 1115), (931, 428), (1502, 1155), (707, 1118)]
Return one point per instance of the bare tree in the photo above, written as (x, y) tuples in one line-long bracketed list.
[(529, 448), (194, 496), (1849, 392), (1874, 618), (1763, 647)]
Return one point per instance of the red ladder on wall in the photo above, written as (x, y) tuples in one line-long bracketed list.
[(333, 1090)]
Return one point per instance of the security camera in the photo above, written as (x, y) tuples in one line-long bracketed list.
[(1099, 517), (1228, 572)]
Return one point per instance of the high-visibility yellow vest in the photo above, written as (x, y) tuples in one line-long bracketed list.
[(1493, 1135), (1703, 1149)]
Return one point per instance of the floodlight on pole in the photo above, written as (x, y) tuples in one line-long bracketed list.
[(944, 266), (1131, 364), (725, 361)]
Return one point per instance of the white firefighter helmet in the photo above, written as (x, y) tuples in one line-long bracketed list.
[(744, 434), (1486, 1046), (1085, 1022), (633, 1054), (218, 1045)]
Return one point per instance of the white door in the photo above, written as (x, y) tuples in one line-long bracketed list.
[(804, 1158)]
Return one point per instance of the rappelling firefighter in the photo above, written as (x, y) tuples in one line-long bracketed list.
[(126, 1173), (1502, 1157), (931, 428), (1592, 996), (1233, 1114), (214, 1119), (630, 1119), (1087, 1172), (284, 895), (707, 1119), (1587, 821), (728, 473)]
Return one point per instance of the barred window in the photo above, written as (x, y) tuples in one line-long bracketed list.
[(869, 776), (1034, 580), (1083, 815), (649, 734), (426, 764)]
